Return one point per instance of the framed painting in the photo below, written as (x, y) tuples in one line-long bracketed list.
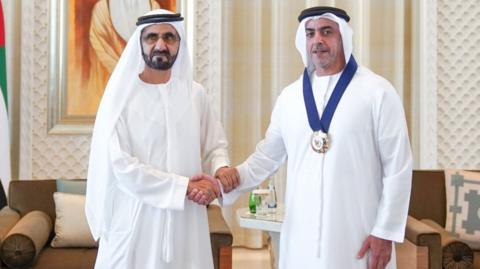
[(86, 40)]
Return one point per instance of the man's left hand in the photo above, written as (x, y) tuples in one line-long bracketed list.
[(380, 252)]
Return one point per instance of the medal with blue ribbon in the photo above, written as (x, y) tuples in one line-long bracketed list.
[(320, 141)]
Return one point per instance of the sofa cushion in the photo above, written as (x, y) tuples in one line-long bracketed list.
[(18, 251), (463, 206), (26, 239), (427, 199), (457, 255), (28, 195), (77, 186), (71, 227), (8, 218)]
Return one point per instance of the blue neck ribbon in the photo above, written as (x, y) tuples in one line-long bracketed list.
[(313, 119)]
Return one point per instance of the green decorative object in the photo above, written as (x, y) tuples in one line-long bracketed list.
[(252, 203)]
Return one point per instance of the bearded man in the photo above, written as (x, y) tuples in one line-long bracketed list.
[(154, 135), (343, 132)]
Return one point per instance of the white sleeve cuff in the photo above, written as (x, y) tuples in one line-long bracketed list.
[(179, 193), (217, 163), (228, 199), (243, 173), (388, 235)]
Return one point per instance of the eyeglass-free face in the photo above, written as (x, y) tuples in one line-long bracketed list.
[(324, 46), (160, 44)]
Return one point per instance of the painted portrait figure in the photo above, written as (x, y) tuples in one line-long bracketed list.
[(97, 34)]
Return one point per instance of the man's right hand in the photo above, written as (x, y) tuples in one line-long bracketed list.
[(202, 189), (228, 177)]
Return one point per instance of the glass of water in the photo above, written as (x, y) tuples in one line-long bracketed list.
[(261, 196)]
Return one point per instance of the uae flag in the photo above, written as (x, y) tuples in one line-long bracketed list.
[(4, 126)]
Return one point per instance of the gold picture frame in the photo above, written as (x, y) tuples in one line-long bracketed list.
[(74, 89)]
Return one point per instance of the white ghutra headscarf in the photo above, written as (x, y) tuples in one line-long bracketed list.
[(301, 39)]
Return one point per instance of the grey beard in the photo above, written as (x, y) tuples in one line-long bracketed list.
[(158, 64)]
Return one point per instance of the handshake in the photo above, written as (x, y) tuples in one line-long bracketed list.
[(203, 189)]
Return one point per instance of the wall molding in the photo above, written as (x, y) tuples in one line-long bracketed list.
[(27, 29), (208, 53), (425, 85)]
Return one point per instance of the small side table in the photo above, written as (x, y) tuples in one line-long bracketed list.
[(271, 223)]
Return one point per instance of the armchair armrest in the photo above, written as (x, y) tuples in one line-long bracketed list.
[(455, 253), (420, 234), (8, 218), (220, 237), (26, 239)]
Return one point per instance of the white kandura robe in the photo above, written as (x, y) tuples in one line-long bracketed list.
[(146, 196), (361, 186)]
